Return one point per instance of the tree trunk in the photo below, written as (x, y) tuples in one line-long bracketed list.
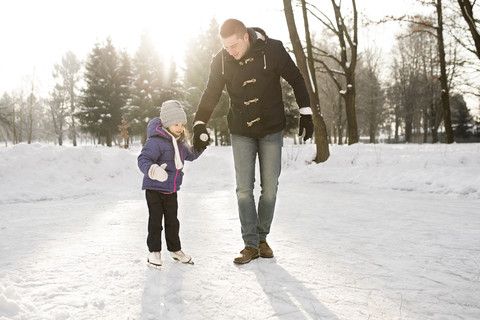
[(321, 140), (408, 124), (349, 67), (74, 131), (397, 124), (425, 125), (73, 127), (30, 114), (372, 132), (20, 125), (14, 140), (467, 12), (447, 119), (351, 115)]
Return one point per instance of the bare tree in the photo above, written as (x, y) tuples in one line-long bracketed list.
[(346, 60), (370, 100), (464, 27), (58, 112), (416, 90), (447, 118), (466, 7), (65, 96), (426, 25), (30, 110), (308, 73), (6, 104)]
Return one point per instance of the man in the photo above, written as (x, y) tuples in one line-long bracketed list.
[(250, 66)]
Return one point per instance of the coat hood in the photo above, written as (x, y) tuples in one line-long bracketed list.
[(155, 128), (255, 39)]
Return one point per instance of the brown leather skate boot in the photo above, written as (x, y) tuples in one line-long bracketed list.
[(247, 255)]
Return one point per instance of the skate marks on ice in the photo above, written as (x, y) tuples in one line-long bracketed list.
[(261, 289), (399, 255), (75, 268)]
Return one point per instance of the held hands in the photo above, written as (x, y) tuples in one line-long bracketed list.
[(201, 138), (157, 172), (305, 126)]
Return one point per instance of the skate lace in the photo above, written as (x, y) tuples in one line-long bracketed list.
[(180, 253)]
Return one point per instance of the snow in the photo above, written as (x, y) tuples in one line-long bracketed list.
[(376, 232)]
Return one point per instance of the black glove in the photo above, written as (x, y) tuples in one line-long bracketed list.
[(201, 138), (305, 126)]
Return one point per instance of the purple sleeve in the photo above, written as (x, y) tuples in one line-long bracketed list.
[(149, 155)]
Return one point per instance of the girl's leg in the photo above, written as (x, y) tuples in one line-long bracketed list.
[(155, 215), (172, 225)]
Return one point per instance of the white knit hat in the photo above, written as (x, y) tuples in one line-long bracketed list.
[(172, 113)]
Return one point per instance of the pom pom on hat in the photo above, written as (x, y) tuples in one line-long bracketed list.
[(172, 113)]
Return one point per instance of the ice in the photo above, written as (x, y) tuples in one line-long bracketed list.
[(376, 232)]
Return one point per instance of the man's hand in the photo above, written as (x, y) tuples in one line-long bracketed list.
[(305, 126), (201, 138)]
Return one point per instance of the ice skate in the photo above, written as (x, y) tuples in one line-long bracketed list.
[(182, 257), (154, 259)]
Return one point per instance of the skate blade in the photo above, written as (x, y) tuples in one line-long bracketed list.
[(188, 262), (154, 266)]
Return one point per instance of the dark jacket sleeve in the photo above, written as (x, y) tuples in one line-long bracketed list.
[(189, 153), (213, 91), (289, 71)]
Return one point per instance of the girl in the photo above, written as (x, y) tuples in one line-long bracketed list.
[(161, 161)]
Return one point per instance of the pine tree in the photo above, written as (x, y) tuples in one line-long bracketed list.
[(200, 51), (153, 82), (146, 88), (462, 121), (107, 89)]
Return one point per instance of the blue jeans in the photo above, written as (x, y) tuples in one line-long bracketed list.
[(256, 223)]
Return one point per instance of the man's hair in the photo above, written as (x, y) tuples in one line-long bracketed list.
[(231, 27)]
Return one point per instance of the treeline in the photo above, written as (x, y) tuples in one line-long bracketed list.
[(110, 97), (418, 96)]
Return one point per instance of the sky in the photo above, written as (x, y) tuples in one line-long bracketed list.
[(36, 34)]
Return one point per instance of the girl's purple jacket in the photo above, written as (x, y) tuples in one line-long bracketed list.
[(159, 149)]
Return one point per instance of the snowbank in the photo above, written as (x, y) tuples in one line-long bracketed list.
[(39, 172), (452, 170)]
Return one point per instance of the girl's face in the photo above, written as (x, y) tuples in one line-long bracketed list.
[(177, 129)]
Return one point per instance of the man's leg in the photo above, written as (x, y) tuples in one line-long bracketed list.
[(270, 158), (244, 156)]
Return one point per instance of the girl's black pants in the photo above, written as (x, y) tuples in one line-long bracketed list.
[(162, 206)]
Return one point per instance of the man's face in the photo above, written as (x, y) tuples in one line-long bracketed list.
[(236, 47)]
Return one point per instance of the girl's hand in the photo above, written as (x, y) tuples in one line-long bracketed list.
[(157, 172)]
